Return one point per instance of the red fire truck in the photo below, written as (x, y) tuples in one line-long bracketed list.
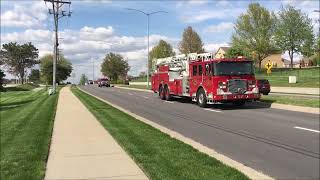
[(205, 79)]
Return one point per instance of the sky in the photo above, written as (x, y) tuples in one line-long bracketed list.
[(97, 27)]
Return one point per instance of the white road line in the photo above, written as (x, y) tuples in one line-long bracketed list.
[(213, 110), (168, 102), (302, 128), (130, 94), (145, 97)]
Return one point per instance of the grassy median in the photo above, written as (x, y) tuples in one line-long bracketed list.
[(26, 126), (292, 100), (159, 155)]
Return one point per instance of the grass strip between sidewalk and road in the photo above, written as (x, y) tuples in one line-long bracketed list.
[(291, 100), (159, 155), (26, 126)]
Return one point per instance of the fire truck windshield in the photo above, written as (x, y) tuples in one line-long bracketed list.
[(233, 68)]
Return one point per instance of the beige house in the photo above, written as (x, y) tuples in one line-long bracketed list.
[(221, 52), (276, 60)]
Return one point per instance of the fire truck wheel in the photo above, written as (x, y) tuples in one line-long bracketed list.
[(161, 93), (167, 93), (201, 98)]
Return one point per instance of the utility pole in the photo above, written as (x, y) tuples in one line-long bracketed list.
[(57, 14)]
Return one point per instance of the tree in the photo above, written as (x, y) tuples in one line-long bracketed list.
[(142, 74), (63, 69), (83, 79), (2, 75), (114, 66), (253, 32), (316, 56), (35, 76), (17, 58), (162, 50), (235, 51), (191, 42), (293, 32)]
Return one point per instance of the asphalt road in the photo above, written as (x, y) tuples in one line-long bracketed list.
[(282, 144)]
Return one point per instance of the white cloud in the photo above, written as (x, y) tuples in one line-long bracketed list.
[(26, 16), (221, 27), (213, 47), (80, 46)]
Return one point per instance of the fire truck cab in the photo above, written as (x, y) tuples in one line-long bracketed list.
[(205, 79)]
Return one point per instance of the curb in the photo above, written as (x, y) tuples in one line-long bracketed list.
[(272, 105), (250, 172)]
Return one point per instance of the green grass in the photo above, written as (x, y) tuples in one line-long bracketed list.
[(298, 101), (308, 77), (26, 127), (159, 155)]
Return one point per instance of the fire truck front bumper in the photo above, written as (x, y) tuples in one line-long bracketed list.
[(232, 97)]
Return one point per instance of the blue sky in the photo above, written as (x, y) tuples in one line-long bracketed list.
[(97, 27)]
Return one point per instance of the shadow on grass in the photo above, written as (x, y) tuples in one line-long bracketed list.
[(7, 106)]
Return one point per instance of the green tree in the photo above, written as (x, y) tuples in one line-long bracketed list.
[(17, 58), (2, 75), (191, 42), (235, 51), (63, 69), (316, 56), (253, 32), (83, 79), (35, 76), (293, 32), (114, 66), (162, 50)]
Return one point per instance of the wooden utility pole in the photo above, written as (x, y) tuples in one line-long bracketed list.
[(57, 14)]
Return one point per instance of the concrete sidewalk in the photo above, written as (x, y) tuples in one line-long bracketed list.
[(82, 149), (296, 90)]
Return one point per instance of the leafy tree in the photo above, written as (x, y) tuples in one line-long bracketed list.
[(316, 56), (35, 75), (142, 74), (191, 42), (162, 50), (17, 58), (114, 66), (235, 51), (253, 32), (293, 32), (63, 69), (83, 79), (2, 75)]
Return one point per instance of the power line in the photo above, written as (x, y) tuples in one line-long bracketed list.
[(57, 14)]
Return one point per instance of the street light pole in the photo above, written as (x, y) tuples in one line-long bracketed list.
[(148, 17)]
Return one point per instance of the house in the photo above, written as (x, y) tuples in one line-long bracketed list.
[(276, 60), (221, 52), (307, 61)]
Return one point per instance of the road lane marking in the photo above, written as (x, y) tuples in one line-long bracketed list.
[(306, 129), (145, 97), (130, 94), (168, 102), (213, 110)]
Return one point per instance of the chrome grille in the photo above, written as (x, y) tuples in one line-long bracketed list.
[(237, 86)]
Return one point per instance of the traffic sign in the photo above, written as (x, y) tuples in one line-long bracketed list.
[(268, 65)]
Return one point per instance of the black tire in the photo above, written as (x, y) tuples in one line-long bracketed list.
[(239, 103), (201, 98), (167, 94), (265, 94), (161, 93)]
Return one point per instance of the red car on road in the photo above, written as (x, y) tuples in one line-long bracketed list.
[(264, 86)]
